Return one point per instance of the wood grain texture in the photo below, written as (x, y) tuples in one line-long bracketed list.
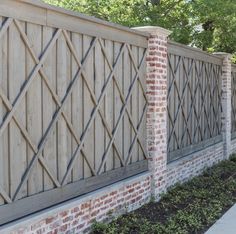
[(194, 99), (72, 108)]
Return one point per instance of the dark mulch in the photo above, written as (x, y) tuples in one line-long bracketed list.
[(191, 207)]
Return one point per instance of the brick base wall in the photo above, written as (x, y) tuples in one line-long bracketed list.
[(186, 168), (76, 216)]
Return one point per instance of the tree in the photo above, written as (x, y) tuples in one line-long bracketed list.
[(207, 24)]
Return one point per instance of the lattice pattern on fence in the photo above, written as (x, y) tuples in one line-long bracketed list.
[(194, 100), (233, 101), (72, 114)]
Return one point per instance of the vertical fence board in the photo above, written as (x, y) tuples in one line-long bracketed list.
[(18, 146), (117, 102), (99, 126), (126, 81), (109, 103), (61, 90), (77, 106), (192, 88), (63, 111), (49, 108), (233, 100), (3, 111), (34, 107), (88, 104)]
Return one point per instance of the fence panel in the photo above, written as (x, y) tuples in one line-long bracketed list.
[(233, 101), (72, 106), (194, 100)]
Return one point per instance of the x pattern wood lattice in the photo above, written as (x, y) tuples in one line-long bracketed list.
[(233, 100), (194, 106), (100, 137)]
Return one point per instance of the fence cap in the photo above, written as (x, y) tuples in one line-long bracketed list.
[(154, 30), (223, 54), (41, 4)]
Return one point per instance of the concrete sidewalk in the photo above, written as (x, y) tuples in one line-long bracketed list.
[(226, 224)]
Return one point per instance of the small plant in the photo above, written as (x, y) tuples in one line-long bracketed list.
[(99, 227), (191, 207)]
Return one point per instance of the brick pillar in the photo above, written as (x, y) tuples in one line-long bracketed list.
[(226, 103), (157, 107)]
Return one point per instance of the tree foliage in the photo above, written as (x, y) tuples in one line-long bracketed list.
[(207, 24)]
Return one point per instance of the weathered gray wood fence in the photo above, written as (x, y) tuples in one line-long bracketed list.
[(72, 105), (194, 100), (233, 101)]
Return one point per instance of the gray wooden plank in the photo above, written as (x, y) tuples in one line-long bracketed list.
[(126, 85), (5, 135), (88, 106), (184, 152), (34, 108), (68, 106), (61, 91), (18, 160), (117, 103), (3, 140), (190, 52), (142, 102), (77, 107), (134, 108), (100, 132), (109, 104), (49, 108), (43, 200)]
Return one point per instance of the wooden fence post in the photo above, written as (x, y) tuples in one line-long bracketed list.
[(226, 102), (157, 107)]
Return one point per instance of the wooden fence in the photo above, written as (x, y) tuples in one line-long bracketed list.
[(194, 100), (72, 105), (233, 101)]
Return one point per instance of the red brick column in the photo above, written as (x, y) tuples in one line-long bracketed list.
[(226, 102), (157, 107)]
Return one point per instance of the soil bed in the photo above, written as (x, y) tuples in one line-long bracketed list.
[(191, 207)]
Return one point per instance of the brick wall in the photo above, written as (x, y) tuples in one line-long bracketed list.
[(193, 165), (226, 103), (76, 216), (157, 107)]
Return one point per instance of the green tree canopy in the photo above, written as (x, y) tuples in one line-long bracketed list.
[(207, 24)]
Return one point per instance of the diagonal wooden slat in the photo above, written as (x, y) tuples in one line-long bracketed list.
[(4, 195), (136, 136), (67, 75), (96, 109), (203, 110), (180, 106), (54, 95), (233, 100), (119, 119), (187, 72), (193, 98), (137, 70), (52, 123), (70, 44), (122, 97), (5, 27), (198, 76), (29, 81), (28, 139), (199, 84)]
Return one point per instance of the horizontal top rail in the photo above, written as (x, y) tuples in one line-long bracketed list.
[(194, 53), (35, 11)]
